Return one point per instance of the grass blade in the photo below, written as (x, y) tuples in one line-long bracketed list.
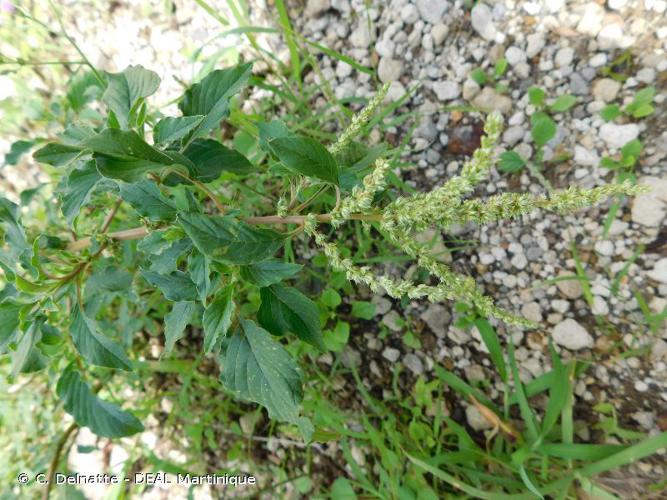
[(526, 412), (490, 338), (295, 58), (629, 455)]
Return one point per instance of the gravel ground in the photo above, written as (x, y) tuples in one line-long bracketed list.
[(559, 46)]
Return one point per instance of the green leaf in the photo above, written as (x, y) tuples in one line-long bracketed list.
[(96, 348), (610, 112), (210, 97), (492, 343), (228, 240), (257, 368), (285, 309), (641, 105), (176, 286), (342, 489), (9, 322), (479, 76), (218, 318), (101, 417), (500, 67), (126, 88), (363, 310), (146, 198), (306, 156), (175, 322), (199, 269), (172, 129), (330, 298), (630, 152), (56, 154), (18, 149), (274, 129), (536, 96), (27, 358), (269, 272), (81, 89), (80, 184), (109, 278), (563, 103), (543, 128), (211, 158), (336, 339), (510, 162)]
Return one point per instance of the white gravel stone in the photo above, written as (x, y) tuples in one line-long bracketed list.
[(413, 363), (476, 420), (585, 157), (532, 311), (646, 75), (489, 100), (617, 136), (432, 11), (391, 354), (611, 37), (393, 321), (446, 91), (481, 19), (605, 247), (534, 44), (439, 33), (389, 69), (571, 335), (436, 317), (564, 57), (571, 288), (470, 89), (659, 271), (591, 19), (649, 209), (600, 307), (617, 4), (598, 60), (606, 89), (315, 8), (409, 14), (361, 36), (513, 135), (514, 55)]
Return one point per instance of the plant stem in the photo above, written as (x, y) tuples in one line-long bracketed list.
[(56, 459), (140, 232)]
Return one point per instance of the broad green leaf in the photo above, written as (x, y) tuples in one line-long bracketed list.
[(165, 261), (176, 286), (101, 417), (56, 154), (641, 105), (172, 129), (199, 269), (500, 67), (80, 184), (175, 322), (146, 198), (543, 128), (26, 352), (81, 89), (96, 348), (126, 88), (210, 158), (342, 489), (285, 309), (108, 278), (510, 162), (536, 96), (363, 310), (18, 149), (210, 97), (257, 368), (14, 234), (479, 76), (306, 156), (330, 298), (563, 103), (124, 155), (269, 272), (9, 322), (229, 240), (218, 318), (271, 130), (610, 112), (631, 152)]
